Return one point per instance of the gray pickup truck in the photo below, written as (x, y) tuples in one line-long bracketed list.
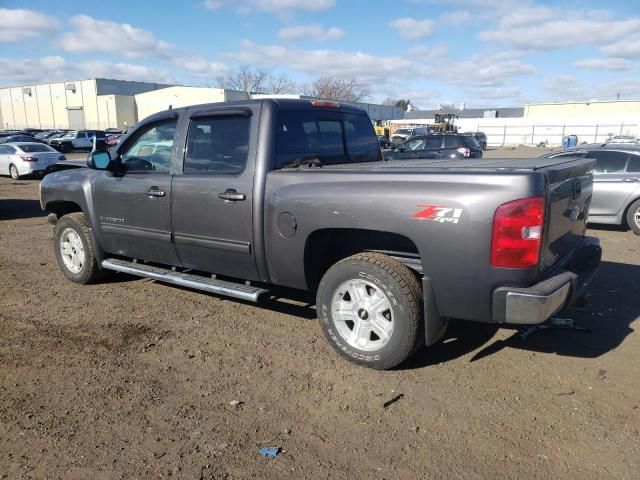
[(236, 198)]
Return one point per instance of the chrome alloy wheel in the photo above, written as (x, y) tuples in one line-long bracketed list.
[(362, 314), (636, 217), (72, 250)]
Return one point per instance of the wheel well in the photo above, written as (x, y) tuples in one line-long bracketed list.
[(62, 208), (326, 247)]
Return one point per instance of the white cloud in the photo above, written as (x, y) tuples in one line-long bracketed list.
[(17, 24), (413, 29), (200, 67), (56, 68), (311, 32), (455, 17), (628, 47), (91, 35), (363, 66), (615, 64), (272, 6), (487, 70), (567, 87), (542, 29)]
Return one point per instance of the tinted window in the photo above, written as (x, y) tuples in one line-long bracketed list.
[(331, 137), (35, 148), (609, 162), (634, 164), (217, 145), (451, 141), (569, 154), (6, 149), (417, 144), (433, 142), (471, 142), (150, 149)]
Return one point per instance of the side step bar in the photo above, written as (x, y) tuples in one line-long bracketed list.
[(211, 285)]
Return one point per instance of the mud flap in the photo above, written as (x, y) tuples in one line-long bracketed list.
[(434, 324)]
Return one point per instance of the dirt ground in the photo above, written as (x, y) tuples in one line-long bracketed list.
[(134, 379)]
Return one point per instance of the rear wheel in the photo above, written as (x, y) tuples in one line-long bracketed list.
[(370, 310), (13, 171), (74, 249), (633, 217)]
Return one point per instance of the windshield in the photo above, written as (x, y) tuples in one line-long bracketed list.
[(404, 131), (325, 137), (36, 148), (70, 135)]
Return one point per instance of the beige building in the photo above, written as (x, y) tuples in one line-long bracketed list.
[(603, 110), (155, 101)]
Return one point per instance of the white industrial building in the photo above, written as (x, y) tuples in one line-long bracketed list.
[(96, 103)]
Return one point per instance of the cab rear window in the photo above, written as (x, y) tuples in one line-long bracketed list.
[(331, 137)]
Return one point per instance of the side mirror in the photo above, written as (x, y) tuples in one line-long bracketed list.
[(99, 160)]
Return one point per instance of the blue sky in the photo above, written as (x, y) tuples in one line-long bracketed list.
[(481, 52)]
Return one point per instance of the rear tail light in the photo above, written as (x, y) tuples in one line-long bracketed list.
[(465, 152), (324, 104), (28, 159), (62, 157), (517, 233)]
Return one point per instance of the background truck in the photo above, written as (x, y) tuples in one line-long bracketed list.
[(235, 198)]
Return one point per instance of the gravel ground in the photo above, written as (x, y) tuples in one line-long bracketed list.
[(135, 379)]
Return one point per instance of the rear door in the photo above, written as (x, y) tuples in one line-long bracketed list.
[(611, 187), (133, 208), (212, 199), (433, 147)]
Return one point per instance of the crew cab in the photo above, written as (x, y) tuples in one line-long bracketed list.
[(236, 198)]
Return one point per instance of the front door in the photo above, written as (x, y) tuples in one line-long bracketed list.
[(611, 184), (133, 208), (212, 200)]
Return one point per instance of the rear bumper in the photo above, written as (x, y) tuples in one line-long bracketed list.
[(557, 290)]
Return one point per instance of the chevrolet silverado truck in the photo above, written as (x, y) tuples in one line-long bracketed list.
[(237, 198)]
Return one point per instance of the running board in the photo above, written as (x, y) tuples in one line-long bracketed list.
[(211, 285)]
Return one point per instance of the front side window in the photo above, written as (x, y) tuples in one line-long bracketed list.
[(417, 144), (151, 149), (218, 145), (609, 162)]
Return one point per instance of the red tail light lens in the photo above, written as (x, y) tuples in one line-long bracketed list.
[(464, 151), (28, 159), (517, 233), (324, 104)]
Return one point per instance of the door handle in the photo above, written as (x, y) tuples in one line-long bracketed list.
[(231, 195), (630, 180), (154, 192)]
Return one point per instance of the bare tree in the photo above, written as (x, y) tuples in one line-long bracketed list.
[(338, 88), (255, 80)]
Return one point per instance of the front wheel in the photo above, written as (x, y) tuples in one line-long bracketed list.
[(370, 310), (633, 217), (74, 249)]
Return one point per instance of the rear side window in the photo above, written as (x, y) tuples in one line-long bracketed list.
[(451, 141), (332, 137), (634, 164), (433, 142), (218, 145), (609, 162)]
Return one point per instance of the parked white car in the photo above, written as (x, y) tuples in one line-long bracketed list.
[(623, 139), (27, 158)]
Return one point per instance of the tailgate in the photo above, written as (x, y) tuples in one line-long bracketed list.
[(569, 191)]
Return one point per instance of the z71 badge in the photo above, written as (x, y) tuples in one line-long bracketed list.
[(436, 213)]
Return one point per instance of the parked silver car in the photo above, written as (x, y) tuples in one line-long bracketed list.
[(616, 185), (27, 158)]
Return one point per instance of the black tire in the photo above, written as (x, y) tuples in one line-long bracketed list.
[(89, 271), (13, 172), (403, 291), (633, 217)]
